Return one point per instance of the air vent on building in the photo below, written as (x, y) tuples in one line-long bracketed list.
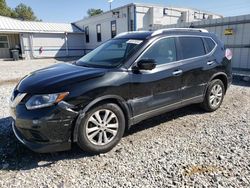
[(116, 14), (165, 11)]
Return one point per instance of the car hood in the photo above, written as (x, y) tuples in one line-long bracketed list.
[(54, 78)]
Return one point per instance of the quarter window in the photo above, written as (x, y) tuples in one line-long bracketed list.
[(4, 42), (163, 51), (113, 29), (209, 44), (87, 34), (191, 47), (99, 34)]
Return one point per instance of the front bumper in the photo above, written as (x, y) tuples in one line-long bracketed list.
[(40, 147), (44, 130)]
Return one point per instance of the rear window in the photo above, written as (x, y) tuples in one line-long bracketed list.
[(192, 47), (210, 44)]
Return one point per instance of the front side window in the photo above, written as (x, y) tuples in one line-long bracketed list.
[(87, 34), (163, 51), (99, 34), (4, 42), (110, 54), (192, 47)]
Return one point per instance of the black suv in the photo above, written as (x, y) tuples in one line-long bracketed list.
[(135, 76)]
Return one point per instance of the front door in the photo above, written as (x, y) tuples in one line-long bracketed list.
[(154, 90)]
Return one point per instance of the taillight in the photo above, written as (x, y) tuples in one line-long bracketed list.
[(228, 54)]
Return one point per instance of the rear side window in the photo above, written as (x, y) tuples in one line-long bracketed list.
[(210, 44), (192, 47)]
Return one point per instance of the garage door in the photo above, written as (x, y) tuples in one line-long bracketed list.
[(49, 45)]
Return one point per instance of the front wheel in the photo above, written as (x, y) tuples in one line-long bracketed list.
[(101, 129), (214, 96)]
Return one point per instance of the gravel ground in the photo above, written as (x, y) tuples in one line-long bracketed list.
[(183, 148)]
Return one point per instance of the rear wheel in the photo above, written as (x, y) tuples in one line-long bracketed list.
[(214, 96), (101, 129)]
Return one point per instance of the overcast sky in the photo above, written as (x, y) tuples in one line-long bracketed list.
[(71, 10)]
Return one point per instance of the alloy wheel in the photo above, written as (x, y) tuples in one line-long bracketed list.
[(216, 96), (102, 127)]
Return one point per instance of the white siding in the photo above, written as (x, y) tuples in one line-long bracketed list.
[(76, 45), (143, 16), (105, 21), (13, 40)]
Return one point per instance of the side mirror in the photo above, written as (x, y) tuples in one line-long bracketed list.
[(146, 64)]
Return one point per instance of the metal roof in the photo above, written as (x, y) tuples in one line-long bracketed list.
[(18, 26)]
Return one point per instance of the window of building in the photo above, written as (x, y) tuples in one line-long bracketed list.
[(113, 29), (4, 43), (132, 25), (192, 47), (165, 11), (87, 34), (209, 44), (99, 34), (195, 15), (163, 51)]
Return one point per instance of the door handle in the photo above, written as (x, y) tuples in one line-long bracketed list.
[(210, 62), (177, 73)]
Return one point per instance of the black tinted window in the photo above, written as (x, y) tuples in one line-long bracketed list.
[(162, 52), (210, 44), (87, 34), (191, 47)]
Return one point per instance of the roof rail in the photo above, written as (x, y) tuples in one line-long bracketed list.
[(128, 32), (160, 31)]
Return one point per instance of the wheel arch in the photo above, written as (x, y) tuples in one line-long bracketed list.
[(221, 76), (100, 100)]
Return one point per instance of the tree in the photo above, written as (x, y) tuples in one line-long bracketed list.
[(24, 12), (93, 12), (4, 9)]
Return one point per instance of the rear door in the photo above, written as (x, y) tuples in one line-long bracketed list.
[(194, 66)]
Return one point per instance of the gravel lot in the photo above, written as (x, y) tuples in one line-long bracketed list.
[(183, 148)]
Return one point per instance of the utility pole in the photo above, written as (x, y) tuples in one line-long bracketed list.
[(110, 4)]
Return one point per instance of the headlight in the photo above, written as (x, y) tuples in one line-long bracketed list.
[(46, 100)]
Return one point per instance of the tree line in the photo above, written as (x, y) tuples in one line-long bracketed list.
[(24, 12), (21, 12)]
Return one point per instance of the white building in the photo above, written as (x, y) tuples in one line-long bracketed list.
[(39, 39), (134, 17)]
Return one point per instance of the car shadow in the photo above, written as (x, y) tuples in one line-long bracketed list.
[(241, 81), (169, 116), (15, 156)]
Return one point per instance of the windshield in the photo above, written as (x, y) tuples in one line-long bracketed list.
[(110, 54)]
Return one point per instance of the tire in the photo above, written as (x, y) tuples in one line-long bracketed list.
[(215, 86), (106, 124)]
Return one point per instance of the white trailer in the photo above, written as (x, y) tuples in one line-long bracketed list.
[(134, 17)]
